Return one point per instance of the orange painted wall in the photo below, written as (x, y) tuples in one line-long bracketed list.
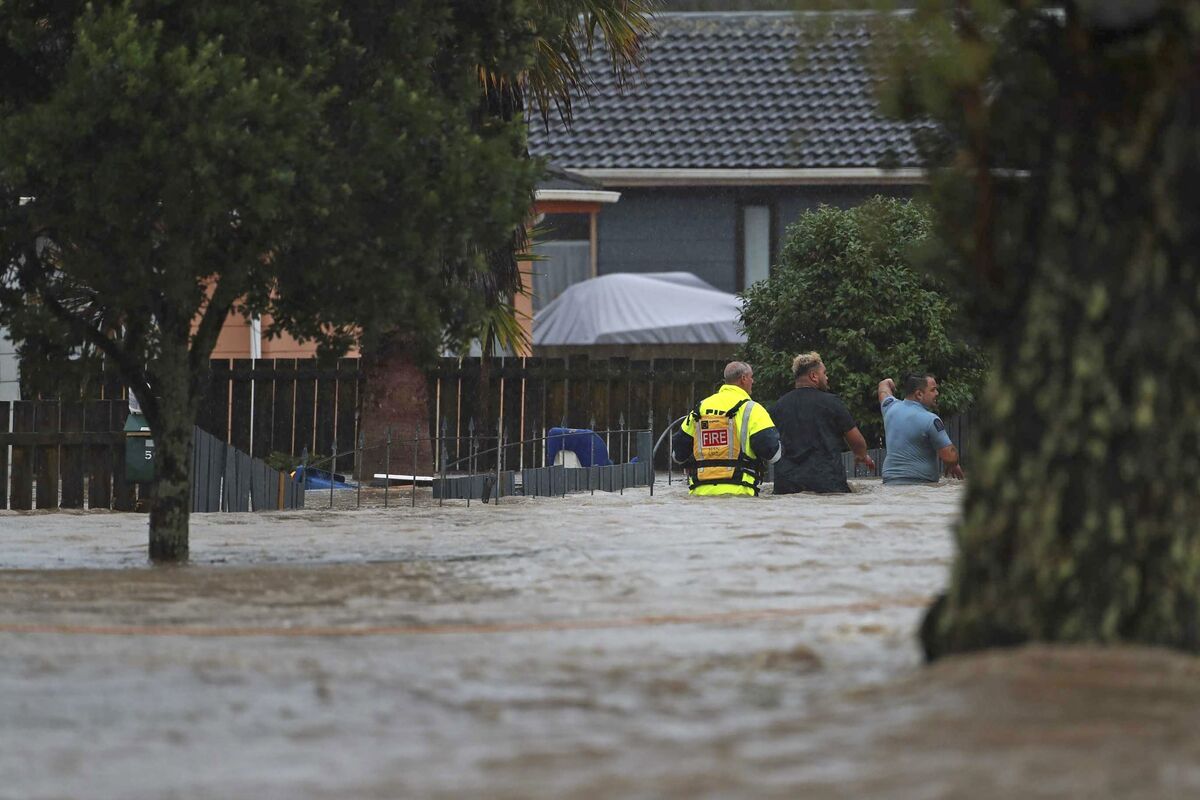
[(234, 342)]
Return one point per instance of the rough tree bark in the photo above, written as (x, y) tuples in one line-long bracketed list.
[(1082, 514), (171, 412)]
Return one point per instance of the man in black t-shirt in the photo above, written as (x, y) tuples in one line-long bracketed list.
[(814, 428)]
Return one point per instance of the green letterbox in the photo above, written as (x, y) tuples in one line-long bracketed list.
[(139, 450)]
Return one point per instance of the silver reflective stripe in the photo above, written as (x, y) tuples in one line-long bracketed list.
[(746, 409)]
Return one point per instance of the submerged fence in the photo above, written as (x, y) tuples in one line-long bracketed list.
[(525, 397), (72, 455), (483, 471), (265, 406), (226, 479)]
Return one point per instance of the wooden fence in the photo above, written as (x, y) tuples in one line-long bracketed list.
[(72, 455), (61, 455), (291, 405), (284, 405)]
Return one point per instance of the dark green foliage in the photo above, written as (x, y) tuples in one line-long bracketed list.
[(843, 287), (324, 163), (1066, 196)]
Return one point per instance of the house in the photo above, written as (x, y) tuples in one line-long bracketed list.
[(566, 213), (726, 138), (242, 337)]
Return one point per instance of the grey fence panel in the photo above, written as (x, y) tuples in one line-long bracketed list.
[(208, 460), (236, 495), (876, 454), (244, 464), (475, 487), (199, 472), (558, 480), (197, 489), (537, 482), (216, 472), (630, 475), (273, 483), (293, 495), (608, 479), (261, 485), (645, 446)]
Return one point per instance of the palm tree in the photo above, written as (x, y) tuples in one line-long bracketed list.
[(552, 76), (567, 33)]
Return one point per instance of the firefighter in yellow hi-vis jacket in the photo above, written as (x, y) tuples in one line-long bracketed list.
[(728, 440)]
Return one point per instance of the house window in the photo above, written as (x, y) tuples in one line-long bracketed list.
[(756, 244), (564, 228)]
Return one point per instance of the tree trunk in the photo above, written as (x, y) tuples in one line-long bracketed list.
[(396, 399), (171, 423), (1082, 516)]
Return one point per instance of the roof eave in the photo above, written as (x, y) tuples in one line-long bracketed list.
[(577, 195), (823, 176)]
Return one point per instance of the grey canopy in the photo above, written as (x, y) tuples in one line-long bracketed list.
[(640, 308)]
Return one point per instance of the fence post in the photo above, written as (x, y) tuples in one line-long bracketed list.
[(621, 425), (592, 453), (332, 464), (499, 450), (670, 450), (416, 447), (649, 467), (358, 457), (387, 466), (304, 467), (442, 462), (470, 457)]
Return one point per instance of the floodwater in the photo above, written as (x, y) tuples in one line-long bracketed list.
[(587, 647)]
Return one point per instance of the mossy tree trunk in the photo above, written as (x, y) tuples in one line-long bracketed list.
[(1082, 514), (176, 378)]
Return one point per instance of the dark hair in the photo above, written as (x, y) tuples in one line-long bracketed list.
[(915, 381)]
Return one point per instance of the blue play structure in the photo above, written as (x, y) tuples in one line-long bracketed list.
[(314, 478), (587, 446)]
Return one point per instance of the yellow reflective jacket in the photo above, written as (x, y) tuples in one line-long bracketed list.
[(725, 462)]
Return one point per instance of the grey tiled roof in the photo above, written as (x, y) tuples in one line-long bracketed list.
[(728, 90)]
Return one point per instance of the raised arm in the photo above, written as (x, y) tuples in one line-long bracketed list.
[(887, 388)]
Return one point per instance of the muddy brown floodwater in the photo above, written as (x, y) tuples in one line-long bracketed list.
[(587, 647)]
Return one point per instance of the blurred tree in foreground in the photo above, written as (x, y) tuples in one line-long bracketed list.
[(324, 163), (1066, 150), (843, 287)]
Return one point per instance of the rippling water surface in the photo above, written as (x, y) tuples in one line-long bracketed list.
[(629, 646)]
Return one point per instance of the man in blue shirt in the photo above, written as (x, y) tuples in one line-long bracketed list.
[(916, 436)]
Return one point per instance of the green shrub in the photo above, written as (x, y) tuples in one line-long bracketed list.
[(843, 287)]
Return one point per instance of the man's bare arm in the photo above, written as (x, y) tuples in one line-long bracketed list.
[(887, 388), (949, 457), (858, 445)]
